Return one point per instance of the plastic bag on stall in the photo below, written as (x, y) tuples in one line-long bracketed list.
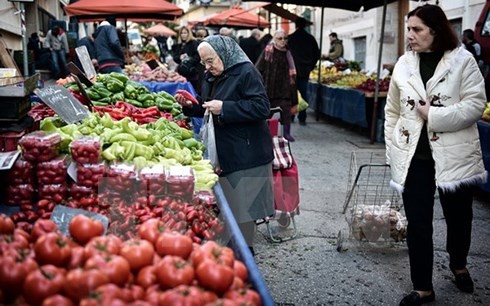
[(208, 138)]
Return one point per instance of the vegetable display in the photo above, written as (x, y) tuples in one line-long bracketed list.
[(46, 267)]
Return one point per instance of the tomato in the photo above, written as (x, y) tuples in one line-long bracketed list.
[(244, 295), (42, 283), (103, 245), (77, 258), (214, 276), (13, 272), (57, 300), (240, 270), (182, 296), (138, 252), (83, 228), (79, 282), (7, 226), (173, 271), (41, 227), (52, 249), (147, 276), (237, 283), (173, 243), (151, 230), (107, 292), (132, 293), (224, 302), (115, 267), (212, 250)]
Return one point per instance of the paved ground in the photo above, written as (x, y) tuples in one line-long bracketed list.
[(309, 270)]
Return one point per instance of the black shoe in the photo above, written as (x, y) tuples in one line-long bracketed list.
[(414, 299), (463, 281), (303, 123)]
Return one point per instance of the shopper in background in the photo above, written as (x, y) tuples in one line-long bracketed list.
[(251, 45), (336, 51), (186, 56), (224, 31), (306, 53), (42, 56), (277, 67), (474, 47), (57, 43), (110, 56), (436, 96), (235, 95), (264, 41), (201, 34)]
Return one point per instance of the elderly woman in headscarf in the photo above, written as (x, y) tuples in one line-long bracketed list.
[(277, 67), (233, 91)]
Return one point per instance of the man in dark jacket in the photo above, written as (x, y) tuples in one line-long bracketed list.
[(251, 45), (306, 53), (110, 56), (88, 42)]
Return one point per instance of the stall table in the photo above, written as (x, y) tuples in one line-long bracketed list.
[(349, 105)]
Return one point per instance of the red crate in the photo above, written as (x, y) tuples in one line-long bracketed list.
[(10, 140)]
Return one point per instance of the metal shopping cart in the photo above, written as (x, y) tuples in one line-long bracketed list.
[(373, 210), (286, 187)]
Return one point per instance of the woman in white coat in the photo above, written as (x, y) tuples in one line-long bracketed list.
[(436, 96)]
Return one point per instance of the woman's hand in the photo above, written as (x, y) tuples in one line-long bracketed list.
[(423, 109), (214, 106), (182, 100)]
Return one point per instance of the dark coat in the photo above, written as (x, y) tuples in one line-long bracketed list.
[(305, 51), (191, 72), (243, 139), (108, 47), (251, 47)]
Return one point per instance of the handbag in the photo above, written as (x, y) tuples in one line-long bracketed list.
[(283, 159), (187, 68), (208, 138)]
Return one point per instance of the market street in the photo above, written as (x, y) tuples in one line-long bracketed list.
[(309, 270)]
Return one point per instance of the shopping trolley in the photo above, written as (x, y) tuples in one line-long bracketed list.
[(375, 213), (286, 191)]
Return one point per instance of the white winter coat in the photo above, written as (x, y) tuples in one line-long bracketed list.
[(458, 86)]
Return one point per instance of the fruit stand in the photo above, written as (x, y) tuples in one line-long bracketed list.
[(138, 175)]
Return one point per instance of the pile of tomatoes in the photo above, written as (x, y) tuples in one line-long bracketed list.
[(156, 267)]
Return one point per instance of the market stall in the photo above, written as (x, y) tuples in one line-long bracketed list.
[(134, 169)]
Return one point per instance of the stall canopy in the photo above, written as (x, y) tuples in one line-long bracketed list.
[(281, 12), (159, 30), (235, 17), (123, 9)]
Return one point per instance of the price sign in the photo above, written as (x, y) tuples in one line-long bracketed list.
[(63, 103), (72, 68), (62, 216), (86, 61), (84, 93)]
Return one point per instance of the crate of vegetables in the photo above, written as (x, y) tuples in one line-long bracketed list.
[(18, 194), (53, 171), (86, 150), (120, 180), (22, 172), (56, 192), (40, 146), (89, 175), (180, 181)]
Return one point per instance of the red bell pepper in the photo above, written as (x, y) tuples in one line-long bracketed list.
[(187, 95)]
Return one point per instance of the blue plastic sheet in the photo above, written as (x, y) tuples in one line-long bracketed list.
[(171, 88), (348, 105), (241, 248), (484, 130)]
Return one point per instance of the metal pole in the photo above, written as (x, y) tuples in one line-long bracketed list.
[(24, 38), (376, 90), (319, 83)]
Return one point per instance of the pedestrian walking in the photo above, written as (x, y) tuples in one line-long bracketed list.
[(436, 96), (234, 93), (110, 56), (306, 53), (57, 43), (251, 45), (276, 64), (186, 56)]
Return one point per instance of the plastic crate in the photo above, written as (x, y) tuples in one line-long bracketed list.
[(10, 140)]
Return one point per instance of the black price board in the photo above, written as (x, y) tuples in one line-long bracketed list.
[(86, 61), (63, 103), (72, 68), (84, 93), (153, 64), (62, 216)]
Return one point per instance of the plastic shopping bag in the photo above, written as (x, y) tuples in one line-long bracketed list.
[(208, 138), (302, 104)]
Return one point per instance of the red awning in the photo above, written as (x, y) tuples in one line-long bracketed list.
[(235, 17), (127, 9), (159, 30)]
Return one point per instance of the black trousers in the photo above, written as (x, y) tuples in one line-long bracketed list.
[(418, 201)]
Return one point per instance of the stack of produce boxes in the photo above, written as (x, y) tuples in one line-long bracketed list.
[(90, 169), (40, 168)]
